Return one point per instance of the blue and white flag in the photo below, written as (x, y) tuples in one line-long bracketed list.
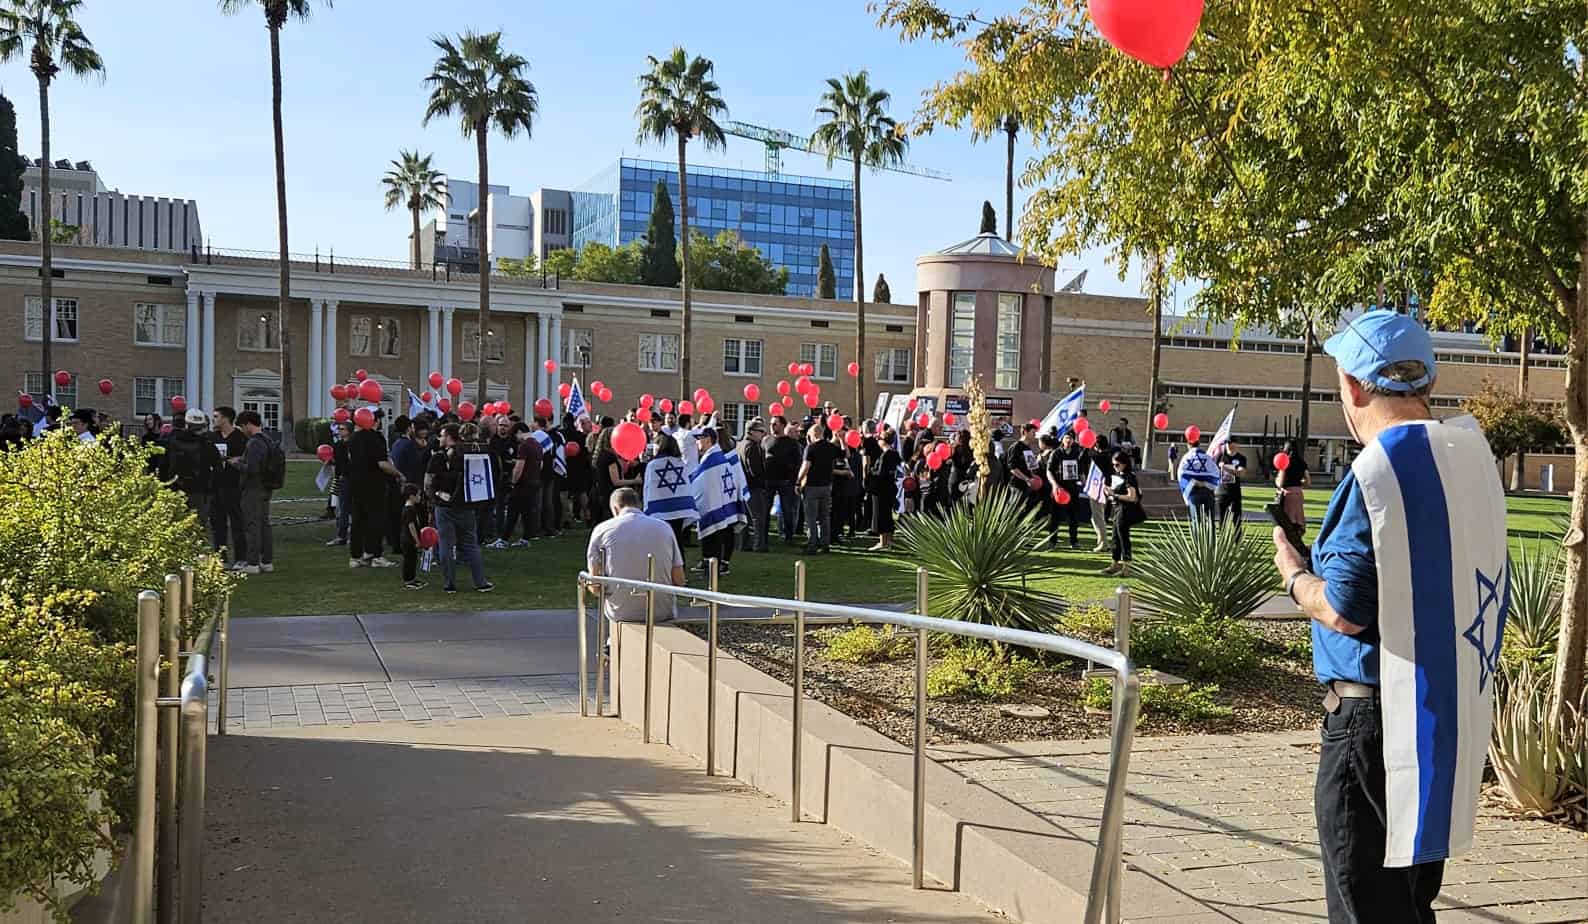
[(667, 491), (1065, 413), (575, 404), (1197, 468), (1095, 487), (417, 407), (1223, 435), (551, 445), (478, 485), (1437, 508), (720, 491)]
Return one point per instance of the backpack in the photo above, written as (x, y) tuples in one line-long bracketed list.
[(274, 475), (185, 464)]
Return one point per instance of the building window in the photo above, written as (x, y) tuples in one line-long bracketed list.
[(658, 352), (65, 320), (824, 356), (495, 345), (741, 357), (159, 325), (578, 347), (893, 366), (257, 330), (962, 342), (390, 333), (359, 332), (734, 416), (152, 395), (1007, 369), (38, 386)]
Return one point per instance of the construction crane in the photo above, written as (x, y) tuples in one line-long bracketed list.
[(776, 139)]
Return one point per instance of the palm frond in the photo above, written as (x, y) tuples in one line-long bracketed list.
[(679, 97), (855, 124), (483, 86)]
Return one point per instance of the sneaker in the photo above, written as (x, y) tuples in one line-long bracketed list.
[(521, 544), (337, 542), (237, 566), (358, 563), (879, 547), (498, 545), (247, 569), (267, 567), (485, 588), (415, 585), (1100, 547), (380, 562), (449, 590), (723, 570), (1112, 569)]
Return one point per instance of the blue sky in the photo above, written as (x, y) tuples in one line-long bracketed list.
[(185, 111)]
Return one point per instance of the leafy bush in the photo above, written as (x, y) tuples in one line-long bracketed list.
[(1192, 702), (1196, 571), (1532, 630), (978, 556), (1196, 649), (865, 645), (1090, 617), (310, 432), (977, 671)]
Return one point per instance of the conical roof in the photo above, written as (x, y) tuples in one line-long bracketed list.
[(986, 244)]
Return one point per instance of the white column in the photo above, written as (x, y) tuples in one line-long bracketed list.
[(328, 371), (531, 363), (190, 388), (543, 353), (555, 351), (446, 341), (317, 386), (208, 372), (433, 353)]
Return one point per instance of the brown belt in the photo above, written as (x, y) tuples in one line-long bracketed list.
[(1345, 689)]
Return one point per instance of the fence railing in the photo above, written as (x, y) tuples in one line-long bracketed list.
[(171, 734), (1103, 896)]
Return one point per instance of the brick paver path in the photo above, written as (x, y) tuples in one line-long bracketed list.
[(1228, 821), (263, 708)]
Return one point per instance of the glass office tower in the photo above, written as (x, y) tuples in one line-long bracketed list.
[(787, 218)]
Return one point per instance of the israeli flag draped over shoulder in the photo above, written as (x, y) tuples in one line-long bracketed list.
[(1064, 414), (1437, 510), (720, 491), (1197, 468), (668, 494), (552, 444)]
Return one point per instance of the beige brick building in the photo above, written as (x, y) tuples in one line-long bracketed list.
[(160, 324)]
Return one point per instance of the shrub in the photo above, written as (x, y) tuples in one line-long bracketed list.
[(1539, 764), (1192, 702), (1532, 630), (1199, 572), (978, 557), (310, 432), (865, 645), (1196, 649), (977, 671), (1090, 617)]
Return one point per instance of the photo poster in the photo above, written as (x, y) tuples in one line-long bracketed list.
[(897, 407), (959, 406), (882, 406), (1001, 411)]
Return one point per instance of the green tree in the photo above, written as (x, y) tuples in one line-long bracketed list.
[(63, 233), (826, 280), (856, 127), (527, 268), (679, 100), (726, 264), (413, 183), (1311, 173), (989, 219), (560, 263), (599, 263), (659, 266), (880, 293), (47, 32), (484, 86), (13, 223)]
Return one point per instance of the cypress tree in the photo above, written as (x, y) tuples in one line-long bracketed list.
[(13, 224), (880, 293), (989, 218), (659, 256), (826, 279)]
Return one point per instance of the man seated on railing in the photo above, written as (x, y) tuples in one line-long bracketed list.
[(619, 547)]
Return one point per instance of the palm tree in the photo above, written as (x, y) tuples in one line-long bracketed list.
[(47, 31), (1011, 128), (414, 183), (858, 129), (277, 12), (678, 98), (484, 86)]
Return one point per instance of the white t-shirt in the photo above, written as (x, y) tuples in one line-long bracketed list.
[(618, 548)]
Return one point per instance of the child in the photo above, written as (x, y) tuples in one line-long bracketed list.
[(413, 520)]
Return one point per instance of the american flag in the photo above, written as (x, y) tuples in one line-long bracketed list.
[(1222, 436), (576, 405)]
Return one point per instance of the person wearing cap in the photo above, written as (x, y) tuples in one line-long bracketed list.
[(190, 463), (753, 457), (1406, 588), (719, 488)]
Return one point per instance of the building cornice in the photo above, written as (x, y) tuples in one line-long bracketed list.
[(263, 281)]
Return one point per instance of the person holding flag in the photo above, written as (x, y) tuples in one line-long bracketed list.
[(1407, 589), (1231, 465), (1061, 419), (721, 493), (667, 494), (1198, 480)]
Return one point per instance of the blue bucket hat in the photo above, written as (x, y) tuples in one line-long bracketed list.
[(1377, 339)]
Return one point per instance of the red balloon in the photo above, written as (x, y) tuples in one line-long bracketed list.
[(606, 395), (667, 405), (106, 386), (808, 369), (811, 400), (643, 415), (360, 374), (923, 420), (435, 380), (1281, 460), (564, 390), (788, 401), (325, 452), (488, 409), (628, 440), (775, 409), (428, 537), (370, 390), (505, 406), (705, 405), (835, 421), (572, 449), (339, 392), (454, 387), (426, 397), (597, 387), (752, 392), (445, 404), (783, 387), (543, 408), (63, 378), (364, 418), (686, 407), (910, 405), (466, 410), (802, 384), (1036, 482), (852, 439), (647, 399), (1103, 405), (551, 365), (793, 368), (854, 369), (1160, 421), (934, 461), (1193, 433), (24, 400), (178, 403), (950, 420), (341, 415), (1154, 32), (700, 393), (1088, 438), (1081, 423)]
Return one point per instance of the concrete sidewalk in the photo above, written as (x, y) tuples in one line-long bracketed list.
[(521, 820)]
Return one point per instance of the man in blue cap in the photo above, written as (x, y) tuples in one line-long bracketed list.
[(1406, 587)]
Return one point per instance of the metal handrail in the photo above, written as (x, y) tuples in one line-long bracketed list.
[(1103, 895)]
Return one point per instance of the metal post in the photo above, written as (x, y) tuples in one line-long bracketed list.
[(584, 653), (141, 875), (225, 642), (1107, 865), (195, 720), (650, 630), (799, 688), (918, 861), (711, 674), (1122, 616), (187, 601), (170, 687), (603, 662)]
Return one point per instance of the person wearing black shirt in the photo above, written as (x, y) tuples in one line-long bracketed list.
[(504, 450), (524, 488), (882, 472), (846, 480), (816, 485), (752, 456), (1102, 456), (1292, 482), (577, 482), (369, 472), (456, 522), (1021, 459), (1232, 465), (783, 459), (412, 519), (1067, 467), (961, 467), (553, 465), (1126, 501), (226, 508)]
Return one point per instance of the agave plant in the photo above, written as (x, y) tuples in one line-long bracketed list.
[(1532, 629), (1536, 761), (977, 557), (1203, 573)]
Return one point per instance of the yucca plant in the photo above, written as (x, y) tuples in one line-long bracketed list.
[(1533, 757), (977, 557), (1532, 629), (1203, 573)]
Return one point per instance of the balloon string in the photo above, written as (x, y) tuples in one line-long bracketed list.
[(1207, 126)]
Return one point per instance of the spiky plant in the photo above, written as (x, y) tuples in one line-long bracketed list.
[(1199, 572), (1533, 757), (1532, 629), (977, 557)]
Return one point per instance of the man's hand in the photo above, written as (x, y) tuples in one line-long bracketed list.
[(1286, 559)]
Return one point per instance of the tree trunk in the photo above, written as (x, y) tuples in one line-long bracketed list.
[(685, 358), (1011, 127), (1304, 425), (860, 305), (480, 139), (284, 305), (1574, 594), (46, 273), (1518, 480), (1156, 287), (415, 211)]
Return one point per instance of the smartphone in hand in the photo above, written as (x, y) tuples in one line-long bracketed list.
[(1293, 530)]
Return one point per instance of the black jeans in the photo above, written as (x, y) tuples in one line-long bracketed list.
[(1349, 803), (226, 522), (367, 531), (1229, 503), (523, 505), (1121, 535), (410, 559), (550, 505), (718, 545)]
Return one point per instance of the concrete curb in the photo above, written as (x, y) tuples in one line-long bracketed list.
[(977, 842)]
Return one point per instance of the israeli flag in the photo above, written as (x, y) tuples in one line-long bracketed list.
[(668, 494), (720, 490), (417, 407), (1197, 468), (478, 485), (1095, 487), (552, 445), (576, 405), (1434, 499), (1065, 413)]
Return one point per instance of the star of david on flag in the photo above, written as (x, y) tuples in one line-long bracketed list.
[(670, 475), (1065, 413), (1490, 598)]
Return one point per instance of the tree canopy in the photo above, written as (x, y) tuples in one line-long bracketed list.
[(826, 279), (659, 260), (13, 223), (1510, 422)]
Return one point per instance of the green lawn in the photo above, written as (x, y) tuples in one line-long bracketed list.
[(312, 579)]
